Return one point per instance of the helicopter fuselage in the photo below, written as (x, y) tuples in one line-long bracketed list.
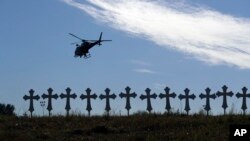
[(83, 49)]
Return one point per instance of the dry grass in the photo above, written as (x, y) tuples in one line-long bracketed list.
[(138, 127)]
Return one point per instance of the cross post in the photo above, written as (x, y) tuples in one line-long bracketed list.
[(88, 96), (148, 96), (167, 95), (187, 97), (107, 96), (31, 97), (49, 96), (244, 96), (68, 96), (128, 95), (207, 96), (224, 93)]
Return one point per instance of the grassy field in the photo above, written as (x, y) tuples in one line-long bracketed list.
[(139, 127)]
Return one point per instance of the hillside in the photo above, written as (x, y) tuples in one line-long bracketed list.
[(139, 127)]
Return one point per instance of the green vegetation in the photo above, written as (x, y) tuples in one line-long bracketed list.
[(138, 127)]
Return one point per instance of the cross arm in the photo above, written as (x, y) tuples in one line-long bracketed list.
[(73, 95), (142, 97), (173, 95), (94, 96), (154, 95), (44, 96), (230, 93), (181, 97), (161, 95), (122, 95), (238, 95), (192, 96), (37, 97), (213, 96), (62, 95), (25, 97), (202, 96), (113, 96), (102, 96), (82, 96), (133, 94), (55, 96), (219, 93)]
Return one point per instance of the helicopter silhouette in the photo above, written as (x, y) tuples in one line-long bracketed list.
[(83, 49)]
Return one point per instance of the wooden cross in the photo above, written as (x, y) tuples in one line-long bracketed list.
[(224, 93), (167, 95), (68, 96), (207, 96), (88, 96), (31, 97), (107, 96), (148, 96), (187, 97), (49, 96), (244, 96), (127, 95)]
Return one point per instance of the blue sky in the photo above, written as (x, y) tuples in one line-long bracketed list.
[(36, 51)]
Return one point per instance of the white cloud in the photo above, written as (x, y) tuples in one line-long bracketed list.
[(145, 71), (205, 34)]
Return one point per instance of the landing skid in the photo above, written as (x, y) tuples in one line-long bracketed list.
[(87, 56), (84, 56)]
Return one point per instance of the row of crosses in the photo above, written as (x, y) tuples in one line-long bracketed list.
[(148, 96)]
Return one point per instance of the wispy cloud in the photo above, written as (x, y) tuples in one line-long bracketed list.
[(148, 71), (145, 67), (205, 34)]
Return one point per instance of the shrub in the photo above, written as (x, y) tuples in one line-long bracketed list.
[(7, 109)]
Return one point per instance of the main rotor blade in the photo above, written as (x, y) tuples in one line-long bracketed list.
[(91, 40), (76, 37), (105, 40), (75, 43)]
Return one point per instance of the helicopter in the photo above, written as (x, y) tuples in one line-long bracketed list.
[(83, 49)]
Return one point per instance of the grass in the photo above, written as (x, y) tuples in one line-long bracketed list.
[(138, 127)]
